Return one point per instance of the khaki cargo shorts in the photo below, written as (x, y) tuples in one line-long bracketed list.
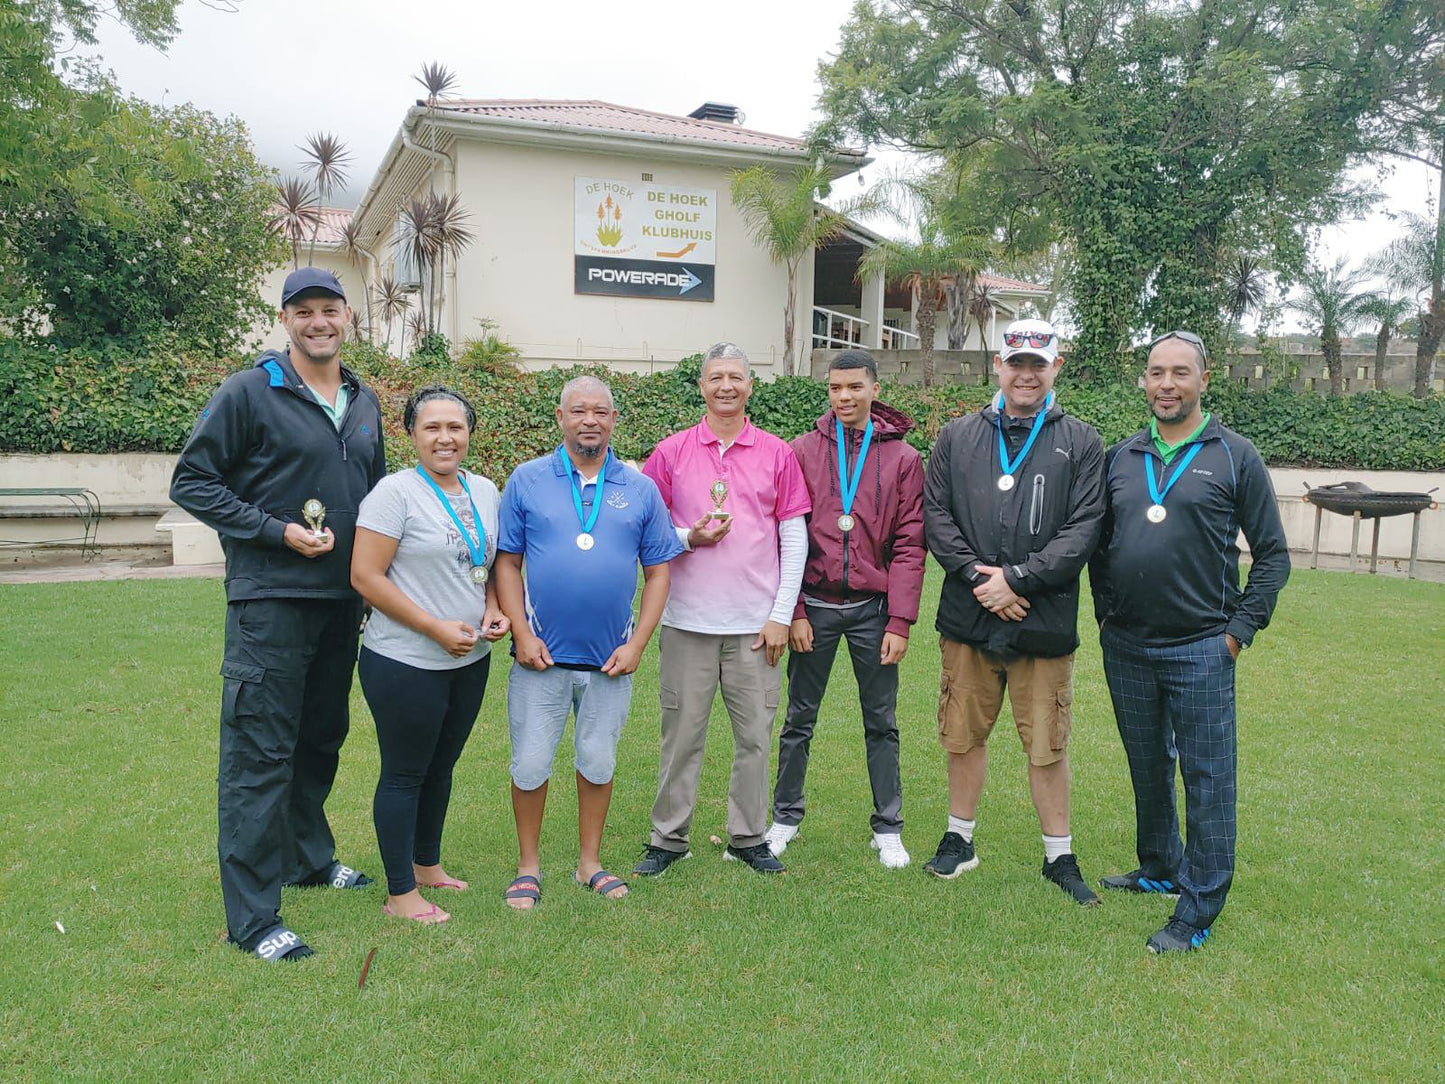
[(970, 696)]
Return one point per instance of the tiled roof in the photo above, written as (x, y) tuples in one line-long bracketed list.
[(333, 221), (620, 118), (998, 282)]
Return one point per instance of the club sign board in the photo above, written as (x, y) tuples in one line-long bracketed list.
[(644, 240)]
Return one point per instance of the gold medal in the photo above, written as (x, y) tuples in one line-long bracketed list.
[(845, 523)]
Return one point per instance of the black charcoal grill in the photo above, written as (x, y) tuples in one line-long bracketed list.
[(1359, 502)]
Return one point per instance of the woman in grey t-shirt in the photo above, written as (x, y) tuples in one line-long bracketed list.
[(425, 541)]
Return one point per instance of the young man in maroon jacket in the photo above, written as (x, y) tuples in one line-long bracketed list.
[(862, 583)]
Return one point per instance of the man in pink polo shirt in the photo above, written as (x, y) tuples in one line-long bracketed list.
[(738, 498)]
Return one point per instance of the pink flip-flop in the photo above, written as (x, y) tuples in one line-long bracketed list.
[(426, 918)]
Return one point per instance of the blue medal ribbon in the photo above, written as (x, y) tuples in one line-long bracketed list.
[(1155, 494), (587, 521), (1003, 459), (477, 549), (847, 491)]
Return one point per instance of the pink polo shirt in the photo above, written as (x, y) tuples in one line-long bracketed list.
[(727, 588)]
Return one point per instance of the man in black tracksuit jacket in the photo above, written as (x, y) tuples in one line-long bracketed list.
[(1013, 527), (1172, 621), (296, 427)]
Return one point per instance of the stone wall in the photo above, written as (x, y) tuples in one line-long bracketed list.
[(976, 367)]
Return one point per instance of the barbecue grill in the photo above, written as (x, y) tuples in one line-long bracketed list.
[(1359, 501)]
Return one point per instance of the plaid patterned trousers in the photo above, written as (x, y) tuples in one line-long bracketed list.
[(1178, 703)]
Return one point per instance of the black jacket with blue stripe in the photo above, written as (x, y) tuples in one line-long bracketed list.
[(1177, 581), (262, 448)]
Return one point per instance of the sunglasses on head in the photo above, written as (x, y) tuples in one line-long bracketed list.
[(1028, 338), (1185, 336)]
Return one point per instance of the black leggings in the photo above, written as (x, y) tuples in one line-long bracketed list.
[(423, 718)]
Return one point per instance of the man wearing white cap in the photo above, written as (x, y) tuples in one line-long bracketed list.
[(1012, 509)]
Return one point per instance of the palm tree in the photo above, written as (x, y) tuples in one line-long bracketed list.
[(1389, 312), (1246, 286), (356, 254), (433, 228), (294, 210), (391, 303), (1415, 264), (783, 216), (923, 266), (326, 161), (436, 79), (1332, 301), (981, 305)]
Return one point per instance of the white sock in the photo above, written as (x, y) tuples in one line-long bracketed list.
[(1054, 846), (961, 826)]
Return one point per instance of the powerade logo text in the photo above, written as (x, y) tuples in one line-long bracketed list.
[(684, 280), (661, 279)]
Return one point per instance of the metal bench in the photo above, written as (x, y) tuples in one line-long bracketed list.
[(79, 502)]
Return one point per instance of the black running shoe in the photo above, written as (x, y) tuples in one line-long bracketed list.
[(955, 854), (759, 857), (1178, 936), (656, 860), (1064, 872), (1135, 881)]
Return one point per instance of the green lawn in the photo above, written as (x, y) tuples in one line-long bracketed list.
[(1326, 965)]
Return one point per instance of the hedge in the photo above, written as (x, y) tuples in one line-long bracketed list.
[(82, 402)]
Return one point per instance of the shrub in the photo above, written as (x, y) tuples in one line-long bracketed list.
[(98, 401)]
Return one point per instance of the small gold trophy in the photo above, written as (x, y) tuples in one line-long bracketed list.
[(315, 512), (719, 493)]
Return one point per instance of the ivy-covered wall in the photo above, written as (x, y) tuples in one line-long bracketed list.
[(84, 402)]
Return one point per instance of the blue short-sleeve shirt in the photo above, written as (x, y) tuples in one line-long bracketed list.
[(579, 602)]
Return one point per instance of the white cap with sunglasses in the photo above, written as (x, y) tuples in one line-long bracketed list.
[(1035, 337)]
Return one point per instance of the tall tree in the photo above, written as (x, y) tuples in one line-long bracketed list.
[(943, 251), (1388, 311), (181, 260), (1157, 134), (784, 217), (1331, 299), (326, 161), (1414, 263)]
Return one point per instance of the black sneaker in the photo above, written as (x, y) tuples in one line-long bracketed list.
[(1135, 881), (955, 854), (759, 857), (655, 861), (1178, 936), (1064, 872)]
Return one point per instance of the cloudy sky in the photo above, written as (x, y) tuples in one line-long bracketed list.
[(289, 69)]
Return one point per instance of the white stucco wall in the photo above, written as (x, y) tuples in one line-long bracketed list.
[(519, 272), (143, 479)]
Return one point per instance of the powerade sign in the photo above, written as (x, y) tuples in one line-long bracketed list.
[(643, 278), (643, 240)]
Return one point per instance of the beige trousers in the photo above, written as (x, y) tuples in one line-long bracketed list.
[(691, 667)]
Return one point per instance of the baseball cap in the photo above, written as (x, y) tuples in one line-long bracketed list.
[(1036, 337), (310, 278)]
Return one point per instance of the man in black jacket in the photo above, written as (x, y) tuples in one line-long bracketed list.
[(1173, 620), (1012, 508), (297, 437)]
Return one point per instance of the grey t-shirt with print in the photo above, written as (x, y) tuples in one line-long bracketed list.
[(432, 566)]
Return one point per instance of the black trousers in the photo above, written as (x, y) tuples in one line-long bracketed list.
[(863, 627), (423, 719), (284, 714)]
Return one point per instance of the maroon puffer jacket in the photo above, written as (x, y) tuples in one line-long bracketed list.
[(885, 549)]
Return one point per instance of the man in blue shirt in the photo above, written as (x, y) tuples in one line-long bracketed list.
[(580, 521)]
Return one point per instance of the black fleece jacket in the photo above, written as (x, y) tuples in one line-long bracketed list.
[(1041, 532), (1177, 581), (263, 447)]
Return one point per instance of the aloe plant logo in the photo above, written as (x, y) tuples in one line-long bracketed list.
[(609, 222)]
